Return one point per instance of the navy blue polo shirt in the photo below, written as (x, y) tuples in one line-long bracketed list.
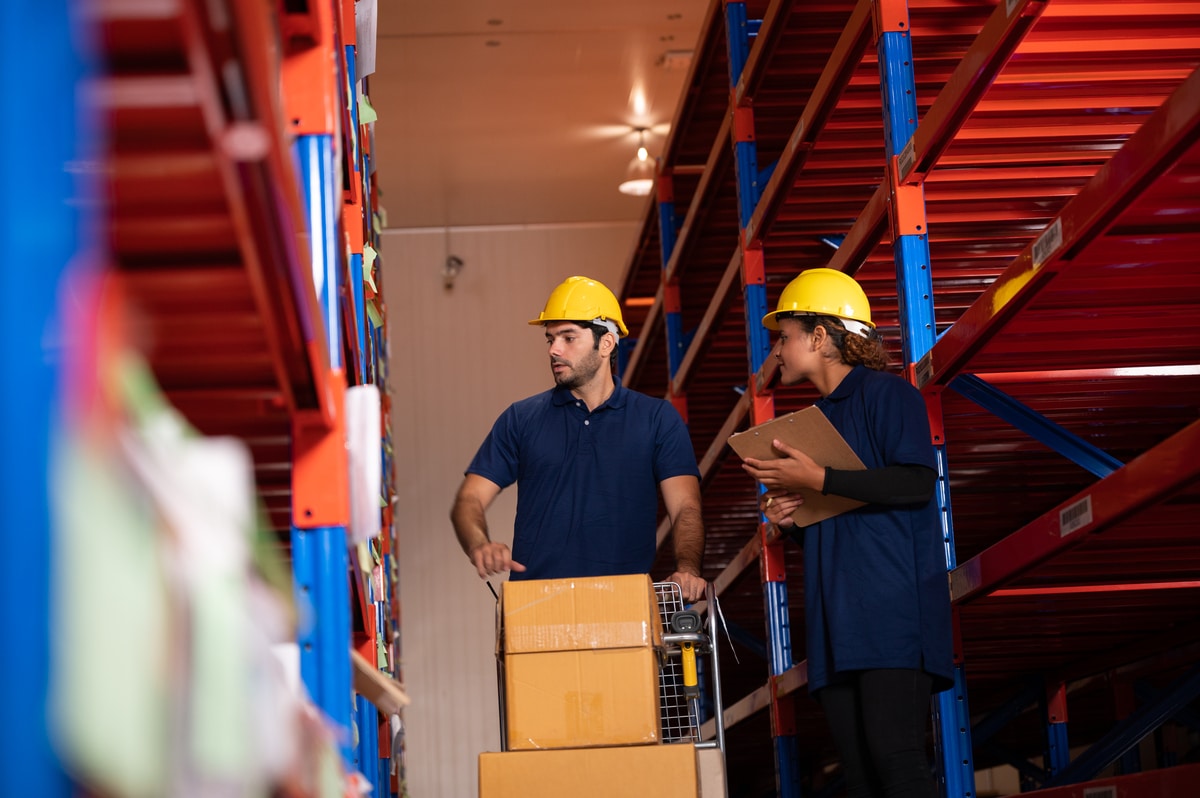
[(875, 577), (587, 482)]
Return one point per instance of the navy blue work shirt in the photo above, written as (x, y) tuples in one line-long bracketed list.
[(875, 587), (587, 482)]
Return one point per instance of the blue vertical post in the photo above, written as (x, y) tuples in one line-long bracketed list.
[(320, 562), (918, 333), (39, 234), (368, 744), (758, 348), (351, 61), (748, 187), (1058, 749), (357, 162), (320, 565), (359, 293), (667, 235), (321, 185)]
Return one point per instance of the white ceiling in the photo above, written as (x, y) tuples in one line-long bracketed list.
[(497, 112)]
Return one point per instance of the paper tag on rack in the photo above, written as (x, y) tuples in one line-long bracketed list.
[(364, 441), (1075, 516)]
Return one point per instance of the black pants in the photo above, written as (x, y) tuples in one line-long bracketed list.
[(878, 722)]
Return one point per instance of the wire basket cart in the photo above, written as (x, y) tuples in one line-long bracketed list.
[(679, 702)]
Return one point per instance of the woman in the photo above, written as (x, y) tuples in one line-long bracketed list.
[(876, 595)]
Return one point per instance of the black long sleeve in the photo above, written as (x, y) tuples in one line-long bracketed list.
[(899, 484)]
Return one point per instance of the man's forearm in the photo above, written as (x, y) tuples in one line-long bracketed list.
[(688, 535), (470, 523)]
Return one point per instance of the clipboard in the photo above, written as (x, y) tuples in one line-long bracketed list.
[(809, 431)]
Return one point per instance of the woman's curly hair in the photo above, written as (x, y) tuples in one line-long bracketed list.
[(853, 347)]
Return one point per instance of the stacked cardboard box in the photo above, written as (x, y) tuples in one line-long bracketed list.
[(579, 662), (660, 771), (581, 694)]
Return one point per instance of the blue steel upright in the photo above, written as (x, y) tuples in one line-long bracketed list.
[(739, 30), (322, 186), (39, 234), (359, 292), (367, 754), (915, 290), (667, 235), (320, 563)]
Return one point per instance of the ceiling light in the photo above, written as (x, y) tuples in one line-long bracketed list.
[(639, 175)]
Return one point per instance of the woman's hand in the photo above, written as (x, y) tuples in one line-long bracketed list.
[(791, 472), (778, 505)]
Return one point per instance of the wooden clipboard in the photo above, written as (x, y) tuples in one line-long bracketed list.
[(809, 431)]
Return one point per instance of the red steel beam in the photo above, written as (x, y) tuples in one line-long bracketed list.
[(1149, 478), (706, 190), (1150, 152), (847, 54), (712, 28), (653, 318), (865, 234), (704, 194), (1179, 780), (785, 684), (241, 147), (715, 450), (284, 281), (990, 51), (701, 338), (1068, 590), (770, 32), (713, 455)]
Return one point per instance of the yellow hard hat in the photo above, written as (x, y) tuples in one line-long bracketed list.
[(582, 299), (826, 292)]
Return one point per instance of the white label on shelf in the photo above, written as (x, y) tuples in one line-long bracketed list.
[(1107, 791), (1047, 243), (365, 448), (1009, 6), (923, 372), (908, 157), (1075, 517)]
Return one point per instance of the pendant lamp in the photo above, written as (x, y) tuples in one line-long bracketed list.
[(639, 175)]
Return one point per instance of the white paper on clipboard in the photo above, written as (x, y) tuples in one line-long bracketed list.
[(809, 431)]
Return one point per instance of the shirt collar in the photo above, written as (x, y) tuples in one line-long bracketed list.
[(561, 396), (849, 384)]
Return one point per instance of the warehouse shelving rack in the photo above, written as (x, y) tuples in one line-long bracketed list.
[(1014, 185), (241, 226)]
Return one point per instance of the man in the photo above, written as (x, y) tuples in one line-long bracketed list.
[(590, 457)]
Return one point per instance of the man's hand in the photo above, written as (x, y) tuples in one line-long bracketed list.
[(778, 505), (492, 558), (690, 584), (792, 471)]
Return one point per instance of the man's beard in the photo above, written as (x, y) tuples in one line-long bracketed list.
[(580, 374)]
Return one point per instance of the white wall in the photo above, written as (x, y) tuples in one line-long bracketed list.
[(458, 357)]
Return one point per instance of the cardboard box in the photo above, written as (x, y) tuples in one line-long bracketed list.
[(710, 767), (661, 771), (575, 699), (576, 614)]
